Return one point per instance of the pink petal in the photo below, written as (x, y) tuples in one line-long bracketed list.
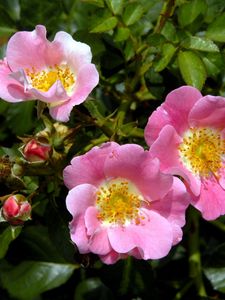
[(88, 168), (10, 89), (99, 242), (173, 111), (110, 258), (173, 207), (78, 234), (211, 201), (28, 49), (170, 161), (80, 198), (75, 53), (87, 79), (208, 112), (91, 220), (131, 162), (154, 237)]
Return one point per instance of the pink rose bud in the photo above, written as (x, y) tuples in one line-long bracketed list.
[(35, 151), (16, 209)]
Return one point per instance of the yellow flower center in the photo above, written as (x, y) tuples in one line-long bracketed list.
[(118, 202), (43, 80), (202, 150)]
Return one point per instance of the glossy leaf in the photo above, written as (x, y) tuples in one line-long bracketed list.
[(201, 44), (122, 34), (192, 68), (31, 278), (116, 6), (8, 235), (133, 13), (217, 278), (216, 30), (189, 11), (105, 25), (167, 54)]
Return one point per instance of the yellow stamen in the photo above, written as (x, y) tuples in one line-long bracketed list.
[(119, 202), (43, 80), (202, 150)]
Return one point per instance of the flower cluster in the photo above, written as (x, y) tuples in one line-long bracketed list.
[(124, 200)]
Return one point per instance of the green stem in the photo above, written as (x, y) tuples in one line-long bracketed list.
[(183, 291), (122, 112), (126, 276), (195, 266), (166, 12)]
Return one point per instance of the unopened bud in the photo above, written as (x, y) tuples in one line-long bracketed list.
[(34, 151), (16, 210)]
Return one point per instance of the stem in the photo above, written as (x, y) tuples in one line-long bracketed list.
[(183, 291), (166, 12), (126, 276), (195, 265), (122, 112), (219, 225)]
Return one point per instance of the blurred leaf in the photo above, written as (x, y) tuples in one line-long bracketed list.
[(13, 9), (116, 6), (36, 240), (192, 68), (31, 278), (93, 289), (129, 50), (217, 278), (6, 31), (105, 25), (201, 44), (99, 3), (189, 11), (20, 117), (8, 235), (133, 13), (168, 51), (169, 32), (122, 34), (216, 30)]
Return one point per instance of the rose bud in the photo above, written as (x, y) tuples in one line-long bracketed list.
[(34, 151), (16, 210)]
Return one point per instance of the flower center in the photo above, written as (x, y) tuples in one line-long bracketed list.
[(202, 151), (43, 80), (118, 202)]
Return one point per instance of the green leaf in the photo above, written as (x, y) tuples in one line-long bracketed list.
[(31, 278), (217, 278), (168, 51), (189, 11), (13, 9), (105, 25), (6, 31), (92, 288), (8, 235), (20, 117), (99, 3), (201, 44), (133, 13), (216, 30), (129, 50), (122, 34), (116, 6), (192, 68)]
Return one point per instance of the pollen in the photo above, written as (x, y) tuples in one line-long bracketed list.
[(119, 202), (44, 79), (202, 151)]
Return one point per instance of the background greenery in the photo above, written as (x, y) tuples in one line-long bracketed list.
[(143, 49)]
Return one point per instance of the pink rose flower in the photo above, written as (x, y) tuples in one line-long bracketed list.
[(122, 204), (186, 133), (34, 151), (16, 210), (59, 73)]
